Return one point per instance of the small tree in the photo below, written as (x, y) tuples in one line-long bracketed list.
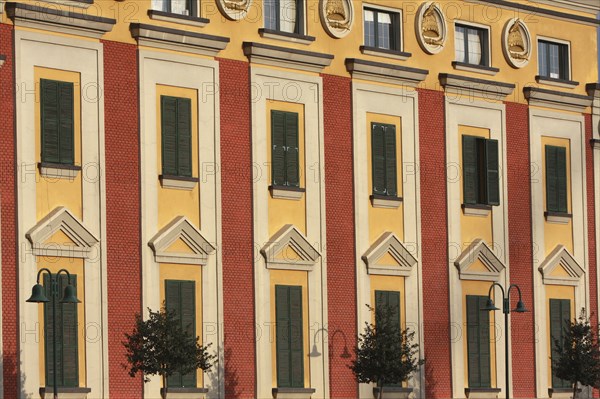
[(577, 356), (385, 354), (160, 346)]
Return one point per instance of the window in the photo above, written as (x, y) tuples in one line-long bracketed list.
[(57, 123), (480, 171), (285, 15), (176, 133), (383, 143), (67, 352), (478, 342), (471, 45), (183, 7), (284, 155), (382, 29), (560, 317), (553, 59), (180, 297), (289, 336), (389, 299), (556, 179)]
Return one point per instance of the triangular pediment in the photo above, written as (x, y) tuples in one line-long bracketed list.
[(180, 242), (388, 256), (288, 249), (60, 234), (479, 262), (561, 268)]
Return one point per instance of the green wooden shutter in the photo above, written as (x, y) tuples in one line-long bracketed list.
[(67, 353), (391, 299), (291, 150), (390, 161), (66, 124), (49, 123), (470, 175), (278, 148), (492, 175), (289, 336), (478, 342), (378, 158), (560, 317), (551, 180), (184, 137), (561, 179), (485, 357), (168, 112), (296, 337)]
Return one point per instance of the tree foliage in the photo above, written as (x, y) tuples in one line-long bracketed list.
[(385, 354), (577, 357), (160, 346)]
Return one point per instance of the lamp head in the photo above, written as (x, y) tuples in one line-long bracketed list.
[(38, 295), (315, 352), (520, 307), (70, 296), (489, 305)]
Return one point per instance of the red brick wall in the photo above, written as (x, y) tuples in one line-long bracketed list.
[(8, 209), (591, 215), (339, 200), (237, 230), (434, 241), (122, 209), (520, 247)]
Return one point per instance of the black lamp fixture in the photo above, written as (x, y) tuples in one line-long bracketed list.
[(489, 306), (38, 296), (315, 352)]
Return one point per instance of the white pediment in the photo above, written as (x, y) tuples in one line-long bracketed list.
[(479, 262), (288, 249), (561, 268), (60, 234), (180, 242), (388, 256)]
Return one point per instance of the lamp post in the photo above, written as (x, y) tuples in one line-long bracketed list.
[(489, 306), (38, 296)]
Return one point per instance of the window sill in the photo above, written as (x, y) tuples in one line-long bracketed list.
[(463, 66), (285, 192), (185, 393), (379, 52), (178, 182), (178, 18), (476, 209), (285, 36), (58, 171), (558, 217), (292, 393), (393, 392), (568, 84), (84, 4), (561, 393), (384, 201), (66, 393), (482, 393)]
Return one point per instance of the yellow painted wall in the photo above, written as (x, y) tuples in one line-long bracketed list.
[(73, 266), (473, 227), (187, 201), (478, 288), (54, 192), (296, 278), (284, 211), (189, 273), (382, 219), (554, 233), (556, 292)]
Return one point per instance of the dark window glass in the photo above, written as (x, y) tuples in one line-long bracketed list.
[(471, 45), (382, 29), (481, 183), (553, 60), (284, 15)]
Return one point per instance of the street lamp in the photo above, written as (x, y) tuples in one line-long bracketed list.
[(489, 306), (315, 352), (38, 296)]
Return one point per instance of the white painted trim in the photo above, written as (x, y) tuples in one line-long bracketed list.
[(560, 256), (479, 250), (50, 172), (373, 98), (389, 243), (391, 10), (557, 41), (288, 235), (571, 127), (271, 85), (177, 184), (200, 74), (492, 116), (477, 26), (86, 58)]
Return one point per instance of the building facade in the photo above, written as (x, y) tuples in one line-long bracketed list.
[(266, 168)]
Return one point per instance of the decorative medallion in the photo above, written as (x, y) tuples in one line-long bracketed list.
[(431, 27), (234, 9), (337, 17), (516, 43)]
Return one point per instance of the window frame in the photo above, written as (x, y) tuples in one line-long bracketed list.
[(396, 24), (565, 63), (565, 187), (387, 194), (560, 302), (167, 8), (300, 24), (290, 288), (43, 138), (286, 184), (177, 173), (481, 302), (482, 171), (486, 54)]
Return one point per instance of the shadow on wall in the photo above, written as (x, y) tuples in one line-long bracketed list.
[(224, 369), (430, 382), (9, 367)]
